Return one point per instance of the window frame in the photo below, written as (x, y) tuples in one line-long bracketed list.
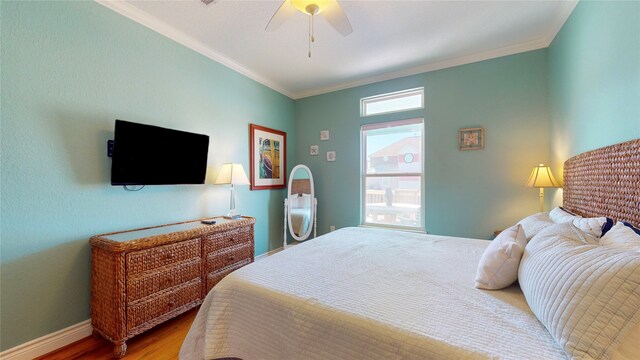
[(363, 175), (390, 96)]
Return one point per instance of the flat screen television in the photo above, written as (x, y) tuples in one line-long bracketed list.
[(152, 155)]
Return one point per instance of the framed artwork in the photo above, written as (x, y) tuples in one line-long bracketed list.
[(331, 156), (324, 135), (471, 139), (313, 150), (268, 158)]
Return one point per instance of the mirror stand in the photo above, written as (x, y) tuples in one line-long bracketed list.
[(300, 206)]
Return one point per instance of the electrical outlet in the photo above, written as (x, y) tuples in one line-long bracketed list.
[(332, 228)]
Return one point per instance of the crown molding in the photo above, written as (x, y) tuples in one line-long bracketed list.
[(462, 60), (172, 33), (562, 16), (566, 8), (143, 18)]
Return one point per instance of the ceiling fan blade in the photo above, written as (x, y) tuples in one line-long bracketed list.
[(285, 11), (337, 18)]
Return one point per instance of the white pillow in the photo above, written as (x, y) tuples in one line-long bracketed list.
[(559, 215), (305, 201), (535, 223), (294, 201), (566, 229), (587, 296), (594, 225), (498, 267), (584, 236), (622, 236), (629, 348)]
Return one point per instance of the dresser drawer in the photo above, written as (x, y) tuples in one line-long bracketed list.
[(215, 277), (145, 311), (146, 284), (228, 238), (230, 256), (144, 277), (149, 259)]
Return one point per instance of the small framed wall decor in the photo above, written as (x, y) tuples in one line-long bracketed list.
[(313, 150), (331, 156), (324, 135), (470, 139)]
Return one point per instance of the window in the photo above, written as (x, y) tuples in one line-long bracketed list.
[(392, 179), (393, 102)]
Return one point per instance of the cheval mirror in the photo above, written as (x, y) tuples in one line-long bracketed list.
[(300, 205)]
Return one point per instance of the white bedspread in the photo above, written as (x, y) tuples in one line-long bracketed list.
[(300, 220), (360, 293)]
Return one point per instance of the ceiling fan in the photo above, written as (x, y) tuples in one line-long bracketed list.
[(329, 9)]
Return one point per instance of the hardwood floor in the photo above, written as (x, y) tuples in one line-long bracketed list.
[(160, 343)]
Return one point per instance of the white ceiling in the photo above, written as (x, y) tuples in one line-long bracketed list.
[(390, 38)]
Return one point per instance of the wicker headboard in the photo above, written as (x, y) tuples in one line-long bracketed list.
[(605, 182), (301, 186)]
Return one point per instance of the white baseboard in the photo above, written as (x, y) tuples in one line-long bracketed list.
[(268, 253), (48, 343)]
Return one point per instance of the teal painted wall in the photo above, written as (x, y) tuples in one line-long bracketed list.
[(69, 69), (468, 193), (594, 80)]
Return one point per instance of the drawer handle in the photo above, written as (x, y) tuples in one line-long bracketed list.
[(231, 240), (171, 304), (231, 258), (169, 256)]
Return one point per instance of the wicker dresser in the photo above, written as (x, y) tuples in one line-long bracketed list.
[(143, 277)]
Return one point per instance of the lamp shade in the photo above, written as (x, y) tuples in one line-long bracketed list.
[(541, 177), (232, 174)]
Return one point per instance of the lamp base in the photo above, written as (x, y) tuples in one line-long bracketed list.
[(233, 217)]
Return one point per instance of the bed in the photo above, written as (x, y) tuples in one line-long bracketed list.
[(300, 220), (362, 293)]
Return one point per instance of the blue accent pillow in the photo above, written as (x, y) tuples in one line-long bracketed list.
[(607, 226)]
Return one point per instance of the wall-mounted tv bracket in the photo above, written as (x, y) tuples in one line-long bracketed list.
[(110, 154)]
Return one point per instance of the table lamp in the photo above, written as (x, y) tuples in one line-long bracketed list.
[(541, 177), (232, 174)]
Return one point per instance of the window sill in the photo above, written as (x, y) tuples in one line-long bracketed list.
[(390, 227)]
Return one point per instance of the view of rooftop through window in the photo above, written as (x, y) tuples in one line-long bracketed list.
[(392, 176)]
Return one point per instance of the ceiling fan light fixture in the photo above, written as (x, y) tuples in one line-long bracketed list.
[(310, 7), (333, 14)]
